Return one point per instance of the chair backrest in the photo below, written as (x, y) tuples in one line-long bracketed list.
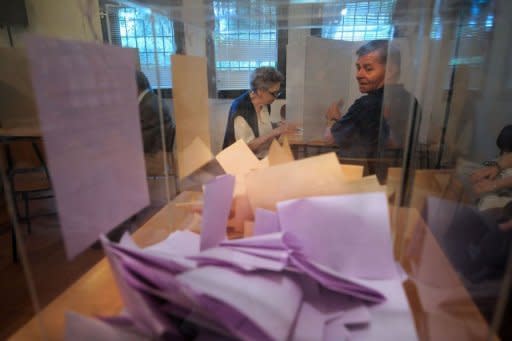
[(23, 154)]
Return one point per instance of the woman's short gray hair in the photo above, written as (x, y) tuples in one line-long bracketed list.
[(264, 77)]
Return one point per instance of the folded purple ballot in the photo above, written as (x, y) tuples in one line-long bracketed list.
[(272, 241), (218, 195), (265, 221), (238, 260), (347, 233)]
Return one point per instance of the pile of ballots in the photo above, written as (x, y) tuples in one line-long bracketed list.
[(317, 268)]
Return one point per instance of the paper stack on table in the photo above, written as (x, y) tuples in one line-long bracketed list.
[(319, 265)]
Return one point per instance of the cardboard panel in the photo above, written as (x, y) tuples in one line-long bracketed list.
[(190, 92)]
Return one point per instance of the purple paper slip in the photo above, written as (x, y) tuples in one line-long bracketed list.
[(265, 221), (87, 103), (161, 293), (337, 283), (274, 241), (336, 331), (183, 243), (236, 259), (334, 305), (309, 325), (233, 320), (273, 312), (395, 311), (82, 328), (146, 318), (218, 195), (172, 263), (349, 233), (275, 254)]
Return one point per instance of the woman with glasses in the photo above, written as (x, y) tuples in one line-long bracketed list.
[(249, 115)]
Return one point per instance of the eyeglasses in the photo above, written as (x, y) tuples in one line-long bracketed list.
[(275, 94)]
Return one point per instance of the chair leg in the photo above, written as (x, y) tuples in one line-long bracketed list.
[(175, 175), (27, 212), (14, 245)]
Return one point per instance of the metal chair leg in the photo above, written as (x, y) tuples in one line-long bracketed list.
[(27, 212)]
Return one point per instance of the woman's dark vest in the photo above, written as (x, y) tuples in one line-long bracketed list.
[(241, 106)]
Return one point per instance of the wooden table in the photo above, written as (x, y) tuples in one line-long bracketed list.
[(20, 132), (441, 306), (320, 146)]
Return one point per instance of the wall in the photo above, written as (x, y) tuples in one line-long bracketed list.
[(60, 19)]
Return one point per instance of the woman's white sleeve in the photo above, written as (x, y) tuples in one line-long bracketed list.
[(243, 130)]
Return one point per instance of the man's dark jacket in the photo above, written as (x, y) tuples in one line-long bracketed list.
[(150, 124)]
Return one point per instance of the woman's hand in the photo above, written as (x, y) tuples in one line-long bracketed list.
[(286, 128), (486, 173), (485, 186)]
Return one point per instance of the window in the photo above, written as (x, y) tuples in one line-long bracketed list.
[(361, 20), (132, 27), (476, 24), (245, 37)]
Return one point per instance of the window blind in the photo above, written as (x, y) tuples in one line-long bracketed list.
[(245, 36), (360, 20)]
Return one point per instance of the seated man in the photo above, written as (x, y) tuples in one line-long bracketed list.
[(150, 125), (360, 132)]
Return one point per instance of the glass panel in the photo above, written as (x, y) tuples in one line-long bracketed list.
[(460, 253), (358, 156)]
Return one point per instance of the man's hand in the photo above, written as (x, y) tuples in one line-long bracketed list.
[(328, 138), (488, 173), (334, 112), (506, 226)]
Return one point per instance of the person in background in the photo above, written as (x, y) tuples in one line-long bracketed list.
[(249, 115), (360, 132), (496, 177), (151, 127), (478, 241)]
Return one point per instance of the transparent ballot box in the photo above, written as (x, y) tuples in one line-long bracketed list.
[(256, 170)]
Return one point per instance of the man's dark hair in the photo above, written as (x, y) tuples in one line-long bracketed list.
[(504, 140), (142, 81), (384, 48)]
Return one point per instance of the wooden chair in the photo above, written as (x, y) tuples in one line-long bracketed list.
[(29, 179)]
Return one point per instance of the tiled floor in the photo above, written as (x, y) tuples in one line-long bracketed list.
[(50, 271)]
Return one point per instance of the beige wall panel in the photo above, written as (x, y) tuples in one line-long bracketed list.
[(190, 92), (59, 19), (17, 103)]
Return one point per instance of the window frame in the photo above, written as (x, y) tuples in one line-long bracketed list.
[(116, 39), (352, 22)]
